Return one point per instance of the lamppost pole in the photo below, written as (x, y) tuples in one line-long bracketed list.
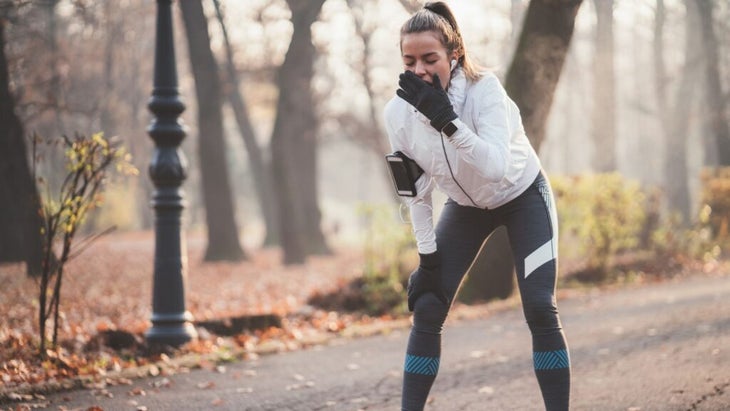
[(171, 323)]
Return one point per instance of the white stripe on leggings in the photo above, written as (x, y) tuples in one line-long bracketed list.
[(543, 254)]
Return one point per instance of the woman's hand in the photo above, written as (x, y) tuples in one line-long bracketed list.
[(430, 100), (426, 279)]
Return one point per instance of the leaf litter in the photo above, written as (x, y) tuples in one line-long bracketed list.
[(106, 306)]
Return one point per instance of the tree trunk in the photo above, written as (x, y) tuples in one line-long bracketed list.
[(604, 95), (56, 94), (535, 69), (20, 237), (716, 106), (107, 121), (261, 170), (294, 142), (675, 167), (531, 82), (223, 241), (660, 70)]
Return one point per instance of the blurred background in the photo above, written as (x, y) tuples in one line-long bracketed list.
[(290, 213), (642, 93), (86, 66)]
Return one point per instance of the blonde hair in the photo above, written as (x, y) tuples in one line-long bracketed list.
[(437, 17)]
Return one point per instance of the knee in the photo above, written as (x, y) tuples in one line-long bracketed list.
[(429, 314), (542, 318)]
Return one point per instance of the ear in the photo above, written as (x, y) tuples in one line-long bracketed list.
[(454, 60)]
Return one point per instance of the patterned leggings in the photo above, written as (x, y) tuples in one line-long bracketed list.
[(531, 223)]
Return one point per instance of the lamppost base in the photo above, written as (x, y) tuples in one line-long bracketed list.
[(171, 330)]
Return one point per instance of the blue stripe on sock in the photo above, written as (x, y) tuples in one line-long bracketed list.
[(421, 365), (551, 360)]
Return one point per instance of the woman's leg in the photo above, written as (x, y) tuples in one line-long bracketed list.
[(532, 226), (459, 235)]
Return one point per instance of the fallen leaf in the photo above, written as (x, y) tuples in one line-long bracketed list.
[(137, 391), (486, 390), (206, 385), (161, 383)]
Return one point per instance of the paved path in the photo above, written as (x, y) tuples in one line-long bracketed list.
[(661, 347)]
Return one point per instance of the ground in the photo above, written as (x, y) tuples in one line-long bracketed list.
[(108, 289)]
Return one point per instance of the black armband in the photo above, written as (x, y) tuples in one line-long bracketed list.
[(404, 172)]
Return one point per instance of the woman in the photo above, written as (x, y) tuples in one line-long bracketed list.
[(461, 128)]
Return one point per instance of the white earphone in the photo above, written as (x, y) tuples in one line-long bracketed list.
[(453, 64)]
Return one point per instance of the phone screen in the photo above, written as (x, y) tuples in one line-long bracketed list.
[(401, 178)]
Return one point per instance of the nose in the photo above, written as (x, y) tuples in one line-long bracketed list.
[(420, 69)]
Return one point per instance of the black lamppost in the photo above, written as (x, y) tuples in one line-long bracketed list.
[(171, 323)]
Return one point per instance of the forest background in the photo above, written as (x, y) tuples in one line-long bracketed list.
[(639, 114)]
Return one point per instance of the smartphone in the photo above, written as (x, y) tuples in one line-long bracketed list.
[(404, 172)]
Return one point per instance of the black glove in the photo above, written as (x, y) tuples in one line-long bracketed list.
[(432, 101), (426, 279)]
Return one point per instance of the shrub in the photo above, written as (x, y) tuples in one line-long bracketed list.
[(389, 256), (716, 204), (88, 160), (599, 216)]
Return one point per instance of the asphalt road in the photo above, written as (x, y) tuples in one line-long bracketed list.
[(662, 346)]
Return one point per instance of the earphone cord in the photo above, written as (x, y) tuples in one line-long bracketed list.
[(443, 145)]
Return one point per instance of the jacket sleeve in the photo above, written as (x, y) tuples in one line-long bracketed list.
[(487, 151), (420, 206), (421, 209)]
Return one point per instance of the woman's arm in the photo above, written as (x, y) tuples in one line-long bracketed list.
[(488, 151), (420, 206)]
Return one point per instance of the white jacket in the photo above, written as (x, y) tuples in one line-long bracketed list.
[(489, 155)]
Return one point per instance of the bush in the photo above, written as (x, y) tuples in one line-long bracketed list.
[(390, 255), (88, 162), (389, 251), (716, 204), (708, 237), (599, 216)]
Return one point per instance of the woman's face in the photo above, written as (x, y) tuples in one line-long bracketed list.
[(424, 55)]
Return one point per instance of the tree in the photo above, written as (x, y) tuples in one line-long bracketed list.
[(56, 91), (294, 141), (223, 241), (531, 82), (538, 61), (674, 117), (716, 105), (604, 106), (20, 237), (260, 168), (368, 131)]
